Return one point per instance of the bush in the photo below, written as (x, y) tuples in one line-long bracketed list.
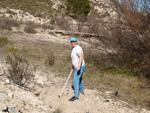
[(48, 27), (3, 41), (31, 24), (57, 111), (19, 70), (123, 50), (30, 30), (6, 23), (78, 7), (133, 52), (63, 23), (130, 52), (50, 60)]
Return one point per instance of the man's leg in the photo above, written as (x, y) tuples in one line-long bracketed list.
[(76, 78), (81, 86)]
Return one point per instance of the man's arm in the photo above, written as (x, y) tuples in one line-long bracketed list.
[(80, 61)]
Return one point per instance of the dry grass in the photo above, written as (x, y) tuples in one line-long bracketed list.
[(131, 88), (30, 26), (48, 27), (50, 60), (58, 110)]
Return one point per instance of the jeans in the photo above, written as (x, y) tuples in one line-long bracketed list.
[(78, 82)]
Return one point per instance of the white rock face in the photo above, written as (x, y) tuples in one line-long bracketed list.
[(21, 15), (57, 3), (105, 8)]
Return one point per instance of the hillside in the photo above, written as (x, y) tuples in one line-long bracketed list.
[(48, 82), (38, 33), (50, 12)]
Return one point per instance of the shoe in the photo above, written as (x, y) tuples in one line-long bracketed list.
[(82, 93), (6, 110), (73, 99)]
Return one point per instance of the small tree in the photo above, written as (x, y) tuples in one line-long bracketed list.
[(19, 70), (136, 12), (123, 50)]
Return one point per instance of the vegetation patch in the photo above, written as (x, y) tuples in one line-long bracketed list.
[(58, 110), (20, 71), (34, 7), (50, 60), (3, 41), (30, 30), (6, 23), (131, 88), (77, 8)]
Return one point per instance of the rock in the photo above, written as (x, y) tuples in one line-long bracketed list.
[(109, 92), (10, 95), (107, 100), (3, 97)]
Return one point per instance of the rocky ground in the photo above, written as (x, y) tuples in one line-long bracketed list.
[(43, 96)]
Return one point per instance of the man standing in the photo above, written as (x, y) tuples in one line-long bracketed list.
[(78, 64)]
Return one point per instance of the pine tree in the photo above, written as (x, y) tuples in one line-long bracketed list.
[(77, 8)]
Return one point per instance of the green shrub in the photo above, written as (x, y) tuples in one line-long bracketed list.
[(78, 7), (52, 21)]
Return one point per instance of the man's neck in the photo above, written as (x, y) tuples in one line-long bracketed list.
[(74, 46)]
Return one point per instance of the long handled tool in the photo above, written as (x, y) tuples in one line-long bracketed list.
[(65, 84)]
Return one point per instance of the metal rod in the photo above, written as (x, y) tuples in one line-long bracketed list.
[(65, 84)]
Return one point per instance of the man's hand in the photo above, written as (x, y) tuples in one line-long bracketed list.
[(72, 67)]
